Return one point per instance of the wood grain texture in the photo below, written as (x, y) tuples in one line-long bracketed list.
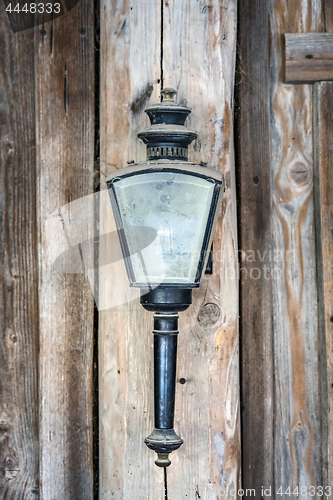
[(323, 124), (199, 43), (207, 406), (327, 18), (254, 192), (65, 165), (130, 80), (19, 461), (297, 430), (308, 57)]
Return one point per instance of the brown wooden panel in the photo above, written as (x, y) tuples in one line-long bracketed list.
[(254, 192), (65, 166), (130, 80), (323, 121), (297, 426), (19, 461), (327, 24), (126, 381), (199, 44), (308, 57)]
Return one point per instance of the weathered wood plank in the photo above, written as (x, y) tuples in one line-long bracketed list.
[(308, 57), (254, 192), (199, 42), (297, 430), (19, 461), (65, 165), (322, 182), (327, 24), (123, 454), (130, 79), (323, 123)]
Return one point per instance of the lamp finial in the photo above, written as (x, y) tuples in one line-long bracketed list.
[(169, 94)]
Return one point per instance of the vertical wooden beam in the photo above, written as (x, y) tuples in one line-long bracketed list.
[(323, 146), (19, 462), (130, 80), (199, 49), (327, 18), (254, 191), (297, 412), (255, 233), (323, 108), (284, 141), (65, 160)]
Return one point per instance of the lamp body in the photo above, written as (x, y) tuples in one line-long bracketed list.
[(179, 202)]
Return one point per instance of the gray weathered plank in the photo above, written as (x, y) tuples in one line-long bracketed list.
[(126, 385), (327, 22), (297, 429), (199, 45), (65, 167), (256, 307), (130, 79), (323, 123), (308, 57), (19, 461), (323, 147)]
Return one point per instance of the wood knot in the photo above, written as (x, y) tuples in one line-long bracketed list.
[(11, 468), (208, 314), (7, 147), (142, 98), (300, 173), (4, 428)]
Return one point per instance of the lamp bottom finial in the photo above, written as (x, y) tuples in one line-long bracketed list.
[(162, 460)]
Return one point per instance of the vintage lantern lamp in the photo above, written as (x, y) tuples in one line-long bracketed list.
[(180, 201)]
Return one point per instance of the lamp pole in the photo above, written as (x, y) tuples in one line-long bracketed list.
[(165, 303)]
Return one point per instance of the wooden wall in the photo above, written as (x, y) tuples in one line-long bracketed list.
[(190, 47), (280, 149), (19, 326), (64, 69), (47, 160), (256, 353)]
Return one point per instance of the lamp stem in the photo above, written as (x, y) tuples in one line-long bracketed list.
[(165, 360), (164, 439), (166, 302)]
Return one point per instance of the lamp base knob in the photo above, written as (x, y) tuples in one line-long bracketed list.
[(163, 460), (163, 441)]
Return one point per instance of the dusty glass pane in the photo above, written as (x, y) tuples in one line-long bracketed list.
[(177, 206)]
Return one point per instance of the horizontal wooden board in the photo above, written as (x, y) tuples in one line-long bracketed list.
[(308, 57)]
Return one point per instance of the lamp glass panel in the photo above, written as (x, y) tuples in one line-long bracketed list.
[(177, 206)]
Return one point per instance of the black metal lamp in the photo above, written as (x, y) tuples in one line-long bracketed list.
[(180, 201)]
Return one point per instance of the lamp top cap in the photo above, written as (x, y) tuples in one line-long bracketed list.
[(167, 137), (168, 110), (168, 94)]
